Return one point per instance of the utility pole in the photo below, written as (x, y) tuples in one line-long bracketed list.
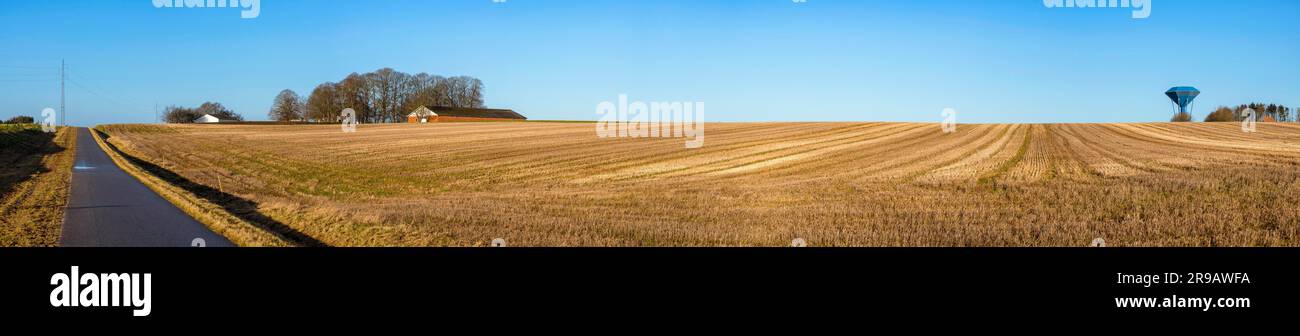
[(63, 91)]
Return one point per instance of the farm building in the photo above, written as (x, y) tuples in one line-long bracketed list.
[(426, 114), (207, 119)]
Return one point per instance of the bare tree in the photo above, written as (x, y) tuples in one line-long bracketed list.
[(428, 91), (457, 88), (180, 115), (441, 95), (324, 104), (475, 96), (353, 93), (286, 107), (467, 91), (388, 91)]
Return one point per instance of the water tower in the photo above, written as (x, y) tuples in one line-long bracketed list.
[(1183, 96)]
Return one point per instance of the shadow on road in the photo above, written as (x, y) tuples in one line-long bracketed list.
[(240, 207)]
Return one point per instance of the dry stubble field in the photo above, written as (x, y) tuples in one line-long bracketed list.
[(752, 184)]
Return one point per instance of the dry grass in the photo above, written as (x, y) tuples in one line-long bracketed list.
[(215, 216), (35, 172), (752, 184)]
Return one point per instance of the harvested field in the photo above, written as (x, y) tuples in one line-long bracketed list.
[(752, 184)]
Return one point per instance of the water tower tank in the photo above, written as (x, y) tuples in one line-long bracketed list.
[(1182, 96)]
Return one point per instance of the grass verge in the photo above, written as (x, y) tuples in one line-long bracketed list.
[(35, 175)]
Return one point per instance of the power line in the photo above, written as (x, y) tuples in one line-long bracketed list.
[(81, 83), (86, 85), (27, 75), (96, 92), (27, 72), (22, 75), (28, 67)]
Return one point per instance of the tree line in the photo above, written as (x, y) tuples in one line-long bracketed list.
[(22, 119), (182, 115), (382, 96), (1278, 112)]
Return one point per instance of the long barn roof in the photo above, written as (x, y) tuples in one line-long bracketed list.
[(466, 112)]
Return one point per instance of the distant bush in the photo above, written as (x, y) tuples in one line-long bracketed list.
[(21, 120), (1182, 117), (1222, 114)]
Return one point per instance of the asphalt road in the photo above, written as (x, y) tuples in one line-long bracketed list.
[(108, 207)]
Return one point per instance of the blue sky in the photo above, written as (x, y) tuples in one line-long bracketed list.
[(747, 60)]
